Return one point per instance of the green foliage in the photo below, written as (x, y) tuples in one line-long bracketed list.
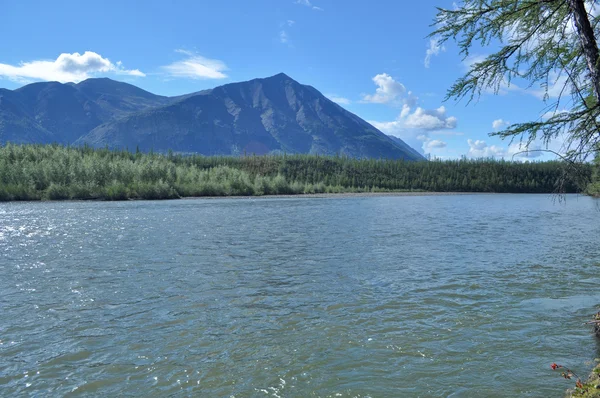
[(116, 191), (34, 172), (593, 188), (57, 192), (535, 43)]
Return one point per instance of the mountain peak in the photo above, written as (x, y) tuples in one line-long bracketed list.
[(97, 79), (280, 77)]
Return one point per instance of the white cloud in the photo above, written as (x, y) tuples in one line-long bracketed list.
[(387, 127), (338, 99), (430, 146), (283, 37), (405, 111), (429, 119), (436, 144), (421, 120), (558, 85), (521, 150), (504, 88), (471, 60), (387, 91), (549, 114), (394, 128), (515, 151), (480, 149), (414, 124), (195, 66), (67, 67), (415, 128), (411, 99), (499, 124), (434, 49), (448, 133), (307, 3)]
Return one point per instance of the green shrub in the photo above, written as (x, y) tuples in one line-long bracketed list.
[(116, 191), (57, 192), (280, 185), (157, 190), (84, 191)]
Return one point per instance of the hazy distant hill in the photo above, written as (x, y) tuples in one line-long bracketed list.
[(276, 114)]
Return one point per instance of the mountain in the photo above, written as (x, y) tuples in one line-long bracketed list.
[(54, 112), (270, 115)]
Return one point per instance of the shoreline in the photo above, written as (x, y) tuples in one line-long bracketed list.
[(339, 195)]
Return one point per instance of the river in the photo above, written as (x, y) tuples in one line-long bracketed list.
[(408, 296)]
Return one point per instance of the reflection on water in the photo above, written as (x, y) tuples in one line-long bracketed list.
[(462, 296)]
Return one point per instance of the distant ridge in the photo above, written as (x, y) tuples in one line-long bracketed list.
[(270, 115)]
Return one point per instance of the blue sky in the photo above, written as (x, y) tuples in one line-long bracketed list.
[(374, 58)]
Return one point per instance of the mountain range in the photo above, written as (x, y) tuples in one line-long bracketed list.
[(271, 115)]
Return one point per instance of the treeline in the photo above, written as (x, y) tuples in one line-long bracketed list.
[(34, 172)]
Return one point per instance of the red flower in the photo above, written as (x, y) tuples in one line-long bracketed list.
[(554, 366)]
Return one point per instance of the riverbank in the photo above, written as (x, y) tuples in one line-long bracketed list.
[(344, 195), (291, 196)]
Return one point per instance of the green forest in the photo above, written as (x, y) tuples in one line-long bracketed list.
[(53, 172)]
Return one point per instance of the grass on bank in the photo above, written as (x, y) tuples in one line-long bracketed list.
[(591, 388), (53, 172)]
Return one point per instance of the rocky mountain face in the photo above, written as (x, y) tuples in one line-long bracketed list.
[(260, 116)]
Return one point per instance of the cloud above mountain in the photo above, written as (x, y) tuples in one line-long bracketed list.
[(195, 66), (387, 90), (428, 119), (67, 67), (339, 99)]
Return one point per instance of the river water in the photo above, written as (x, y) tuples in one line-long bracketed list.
[(416, 296)]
